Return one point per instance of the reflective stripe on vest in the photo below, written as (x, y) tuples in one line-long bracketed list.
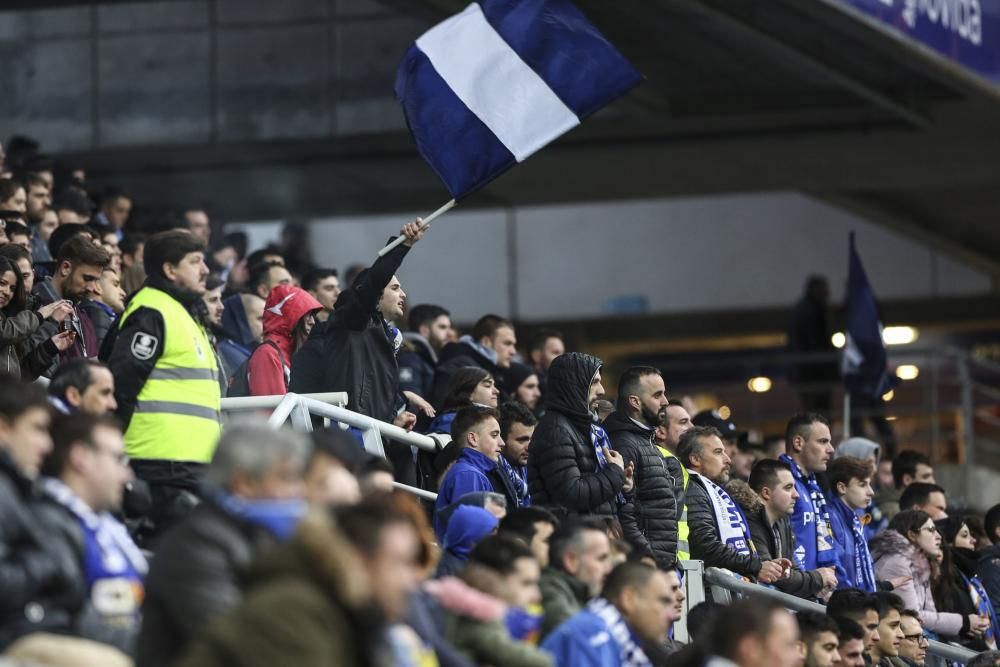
[(178, 413), (683, 530)]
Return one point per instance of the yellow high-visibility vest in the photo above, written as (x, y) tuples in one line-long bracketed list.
[(683, 548), (177, 414)]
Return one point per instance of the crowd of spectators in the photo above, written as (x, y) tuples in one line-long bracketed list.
[(137, 528)]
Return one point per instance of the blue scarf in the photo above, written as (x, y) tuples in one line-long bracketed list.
[(982, 602), (517, 480), (395, 337), (814, 541), (278, 517), (442, 423), (864, 572), (629, 651), (599, 437)]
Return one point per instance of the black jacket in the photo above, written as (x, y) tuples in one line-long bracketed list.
[(704, 536), (649, 516), (41, 587), (196, 576), (799, 583), (562, 461), (417, 363), (102, 320), (460, 355), (352, 352)]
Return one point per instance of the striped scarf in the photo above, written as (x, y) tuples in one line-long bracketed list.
[(517, 481), (985, 608), (599, 437), (630, 653)]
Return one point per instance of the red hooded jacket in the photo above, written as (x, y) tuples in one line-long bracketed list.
[(267, 370)]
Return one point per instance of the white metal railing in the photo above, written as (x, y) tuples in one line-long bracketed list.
[(723, 583), (300, 408)]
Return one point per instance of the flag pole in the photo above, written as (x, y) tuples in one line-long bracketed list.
[(426, 221), (847, 415)]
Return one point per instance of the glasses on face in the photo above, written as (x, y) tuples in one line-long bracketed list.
[(918, 638), (930, 529), (122, 459)]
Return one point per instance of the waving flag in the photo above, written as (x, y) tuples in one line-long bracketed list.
[(488, 87), (865, 364)]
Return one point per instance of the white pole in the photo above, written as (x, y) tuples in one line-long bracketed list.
[(426, 221), (847, 415)]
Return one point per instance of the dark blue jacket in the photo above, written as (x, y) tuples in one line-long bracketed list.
[(468, 475), (417, 363), (466, 527), (843, 521), (583, 641)]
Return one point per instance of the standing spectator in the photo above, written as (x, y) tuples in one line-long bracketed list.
[(649, 516), (116, 205), (988, 566), (199, 224), (13, 196), (522, 384), (85, 477), (166, 376), (913, 648), (809, 449), (819, 634), (957, 588), (289, 316), (491, 347), (254, 500), (928, 498), (635, 607), (324, 285), (579, 562), (545, 347), (265, 277), (133, 247), (517, 425), (79, 265), (467, 386), (39, 199), (667, 438), (22, 356), (907, 549), (72, 207), (355, 350), (741, 458), (890, 634), (767, 510), (429, 328), (242, 329), (22, 259), (851, 492), (755, 633), (571, 463), (83, 386), (810, 335), (720, 535), (866, 450)]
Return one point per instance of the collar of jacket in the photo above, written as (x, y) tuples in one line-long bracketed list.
[(619, 421), (25, 486), (578, 588), (477, 459), (421, 346), (190, 300)]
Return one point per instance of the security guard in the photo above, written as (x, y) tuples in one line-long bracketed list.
[(166, 376), (668, 435)]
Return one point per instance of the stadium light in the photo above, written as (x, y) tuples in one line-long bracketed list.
[(907, 372), (724, 411), (890, 336), (887, 396), (760, 384), (838, 339)]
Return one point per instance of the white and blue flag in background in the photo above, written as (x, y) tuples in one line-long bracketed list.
[(486, 88)]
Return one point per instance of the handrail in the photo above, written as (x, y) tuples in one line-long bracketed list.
[(271, 402), (345, 416), (720, 578)]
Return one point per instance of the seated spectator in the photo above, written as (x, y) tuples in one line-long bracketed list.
[(429, 327), (719, 534), (521, 383), (83, 385), (850, 493), (913, 648), (579, 562), (468, 386), (13, 195), (767, 502), (988, 566), (986, 659), (491, 346), (255, 489), (635, 607), (476, 431), (570, 461), (466, 527), (908, 467), (819, 634), (533, 526), (494, 503), (105, 304), (885, 653), (85, 477), (242, 330), (809, 451), (329, 476), (906, 549), (289, 316), (324, 286), (132, 247), (18, 234), (25, 350), (859, 607), (926, 497), (375, 476), (852, 642), (957, 587), (756, 633), (72, 206), (517, 425), (741, 459)]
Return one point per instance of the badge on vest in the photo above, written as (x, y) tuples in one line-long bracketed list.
[(144, 346)]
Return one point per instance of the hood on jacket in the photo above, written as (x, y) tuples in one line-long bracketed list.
[(234, 321), (568, 389), (466, 527), (618, 422), (417, 343), (748, 499), (515, 375), (286, 305), (892, 543), (465, 346), (859, 448)]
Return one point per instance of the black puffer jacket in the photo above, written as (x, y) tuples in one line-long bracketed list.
[(649, 516), (704, 535), (562, 462)]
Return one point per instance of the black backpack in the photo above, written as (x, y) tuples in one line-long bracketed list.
[(239, 384)]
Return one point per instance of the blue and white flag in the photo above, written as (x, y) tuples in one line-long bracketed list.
[(486, 88), (865, 364)]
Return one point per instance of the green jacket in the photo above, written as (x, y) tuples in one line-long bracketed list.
[(562, 596), (489, 643)]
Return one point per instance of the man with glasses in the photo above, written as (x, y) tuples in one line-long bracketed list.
[(913, 647), (84, 478)]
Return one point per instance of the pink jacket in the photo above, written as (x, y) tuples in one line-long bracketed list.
[(894, 557)]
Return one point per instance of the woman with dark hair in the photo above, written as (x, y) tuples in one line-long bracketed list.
[(18, 358), (959, 589), (911, 547), (470, 385)]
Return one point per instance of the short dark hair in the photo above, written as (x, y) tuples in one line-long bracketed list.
[(851, 602), (311, 279), (752, 616), (81, 251), (169, 247), (260, 273), (71, 430), (701, 619), (499, 553), (257, 256), (626, 575), (213, 281), (984, 659), (336, 444), (512, 413), (628, 384), (130, 243), (425, 314), (905, 463), (73, 373), (848, 629), (15, 252), (362, 524), (521, 522), (918, 493), (113, 192), (912, 613), (539, 339), (800, 424), (469, 418), (886, 602), (16, 397), (690, 443), (487, 325), (71, 199), (19, 297), (17, 229), (813, 623), (8, 186), (992, 523), (569, 536), (460, 386), (847, 468), (764, 473)]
